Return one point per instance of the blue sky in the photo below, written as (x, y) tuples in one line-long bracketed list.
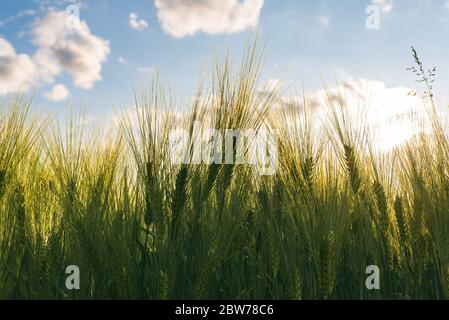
[(122, 40)]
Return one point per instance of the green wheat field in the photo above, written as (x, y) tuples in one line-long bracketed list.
[(139, 226)]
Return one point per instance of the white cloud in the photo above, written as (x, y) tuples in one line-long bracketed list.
[(20, 14), (17, 71), (59, 49), (390, 113), (136, 23), (76, 51), (58, 93), (181, 18), (385, 5), (122, 60), (324, 21)]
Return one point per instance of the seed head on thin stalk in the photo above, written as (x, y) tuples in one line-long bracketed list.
[(425, 76)]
